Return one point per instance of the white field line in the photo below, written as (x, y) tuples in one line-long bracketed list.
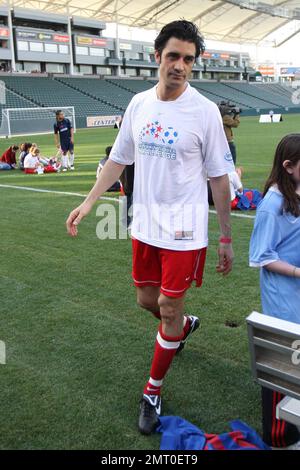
[(105, 198), (63, 193)]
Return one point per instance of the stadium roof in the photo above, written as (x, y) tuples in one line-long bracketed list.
[(236, 21)]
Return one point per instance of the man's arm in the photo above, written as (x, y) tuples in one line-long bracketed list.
[(56, 137), (109, 175), (221, 196), (72, 135), (236, 121)]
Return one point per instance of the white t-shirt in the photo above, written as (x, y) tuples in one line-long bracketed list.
[(30, 161), (235, 184), (175, 146)]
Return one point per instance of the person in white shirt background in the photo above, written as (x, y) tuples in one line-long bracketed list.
[(175, 137), (236, 186), (32, 162)]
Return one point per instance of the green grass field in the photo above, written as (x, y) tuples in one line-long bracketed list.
[(78, 347)]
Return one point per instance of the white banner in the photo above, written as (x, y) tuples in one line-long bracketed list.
[(101, 121), (264, 118)]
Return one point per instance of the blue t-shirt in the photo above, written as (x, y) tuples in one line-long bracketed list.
[(63, 128), (276, 236)]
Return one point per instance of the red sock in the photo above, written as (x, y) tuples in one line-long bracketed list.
[(164, 351), (186, 326)]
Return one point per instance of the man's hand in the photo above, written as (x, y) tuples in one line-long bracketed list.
[(225, 253), (72, 140), (75, 218), (111, 172), (58, 146)]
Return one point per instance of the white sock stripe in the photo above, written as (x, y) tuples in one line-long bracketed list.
[(155, 383), (167, 344), (197, 264)]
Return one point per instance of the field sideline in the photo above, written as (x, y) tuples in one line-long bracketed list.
[(78, 347)]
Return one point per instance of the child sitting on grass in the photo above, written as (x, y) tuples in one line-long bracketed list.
[(34, 163)]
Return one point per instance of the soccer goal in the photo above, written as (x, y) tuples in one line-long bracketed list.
[(31, 121)]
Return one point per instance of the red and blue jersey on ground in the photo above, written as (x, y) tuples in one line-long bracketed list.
[(179, 434)]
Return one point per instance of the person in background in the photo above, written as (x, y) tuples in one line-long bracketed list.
[(64, 128), (231, 118), (33, 163), (116, 186), (8, 159), (24, 149), (274, 248), (236, 186), (127, 180), (118, 122)]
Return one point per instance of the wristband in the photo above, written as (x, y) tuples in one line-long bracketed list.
[(294, 271), (225, 240)]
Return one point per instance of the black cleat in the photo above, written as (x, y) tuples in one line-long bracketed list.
[(194, 325), (150, 409)]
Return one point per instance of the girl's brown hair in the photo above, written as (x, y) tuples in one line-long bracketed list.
[(287, 149)]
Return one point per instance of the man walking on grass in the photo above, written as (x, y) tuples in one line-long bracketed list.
[(65, 142), (175, 137)]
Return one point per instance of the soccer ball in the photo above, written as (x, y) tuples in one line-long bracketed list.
[(170, 136)]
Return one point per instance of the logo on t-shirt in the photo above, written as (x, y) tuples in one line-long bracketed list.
[(228, 157), (158, 141)]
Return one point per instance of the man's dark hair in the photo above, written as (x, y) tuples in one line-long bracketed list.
[(58, 112), (181, 29), (15, 147), (108, 150)]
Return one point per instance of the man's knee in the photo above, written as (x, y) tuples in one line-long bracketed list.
[(170, 309), (146, 304), (147, 300)]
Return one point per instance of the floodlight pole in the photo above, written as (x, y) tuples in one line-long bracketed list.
[(117, 38), (241, 62), (8, 122), (70, 42), (11, 40)]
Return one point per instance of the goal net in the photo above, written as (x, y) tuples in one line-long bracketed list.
[(31, 121)]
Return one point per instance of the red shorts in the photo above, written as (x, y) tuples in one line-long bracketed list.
[(171, 270)]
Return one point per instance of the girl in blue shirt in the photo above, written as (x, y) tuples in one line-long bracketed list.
[(275, 249)]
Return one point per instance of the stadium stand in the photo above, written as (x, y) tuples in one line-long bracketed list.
[(227, 91), (45, 91), (99, 90), (110, 96), (15, 100), (134, 86), (275, 92), (261, 92), (216, 93)]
